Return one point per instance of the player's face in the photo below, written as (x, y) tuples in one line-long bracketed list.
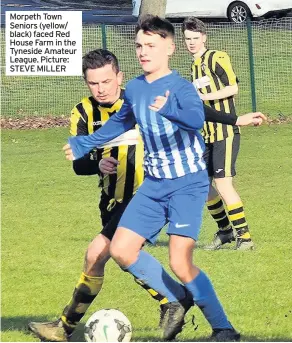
[(195, 41), (153, 51), (104, 84)]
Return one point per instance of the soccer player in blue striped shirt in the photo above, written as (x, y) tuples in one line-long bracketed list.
[(169, 114)]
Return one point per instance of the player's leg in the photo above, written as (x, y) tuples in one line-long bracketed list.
[(216, 207), (142, 220), (225, 155), (185, 211), (85, 291), (201, 288), (90, 281), (110, 233)]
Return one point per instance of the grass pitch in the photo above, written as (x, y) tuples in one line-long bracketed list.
[(50, 215)]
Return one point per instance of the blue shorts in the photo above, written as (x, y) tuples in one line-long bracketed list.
[(179, 202)]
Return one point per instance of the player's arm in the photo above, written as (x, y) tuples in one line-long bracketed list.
[(184, 108), (223, 69), (89, 163), (214, 116), (255, 118), (118, 123)]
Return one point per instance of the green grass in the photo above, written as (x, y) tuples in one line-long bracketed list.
[(30, 95), (49, 216)]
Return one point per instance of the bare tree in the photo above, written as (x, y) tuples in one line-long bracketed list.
[(156, 7)]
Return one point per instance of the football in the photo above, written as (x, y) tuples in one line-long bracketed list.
[(108, 325)]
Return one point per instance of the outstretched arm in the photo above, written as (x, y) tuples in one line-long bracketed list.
[(215, 116), (119, 123), (255, 118)]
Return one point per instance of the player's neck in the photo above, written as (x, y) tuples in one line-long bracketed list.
[(150, 77), (200, 53)]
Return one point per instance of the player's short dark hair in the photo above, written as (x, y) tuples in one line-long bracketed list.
[(154, 24), (194, 24), (99, 58)]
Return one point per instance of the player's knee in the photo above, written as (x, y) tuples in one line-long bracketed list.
[(97, 254), (183, 269), (125, 246), (178, 266), (174, 265), (117, 253), (181, 256), (122, 255), (95, 258)]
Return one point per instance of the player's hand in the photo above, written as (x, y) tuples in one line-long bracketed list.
[(255, 119), (108, 165), (159, 102), (203, 97), (68, 152)]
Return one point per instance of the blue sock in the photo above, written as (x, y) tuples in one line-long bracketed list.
[(151, 273), (205, 297)]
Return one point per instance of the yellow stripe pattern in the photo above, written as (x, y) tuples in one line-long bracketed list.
[(200, 68), (228, 155), (98, 116)]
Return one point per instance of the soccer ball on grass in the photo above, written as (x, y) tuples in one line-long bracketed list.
[(108, 325)]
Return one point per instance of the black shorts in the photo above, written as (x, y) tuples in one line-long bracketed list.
[(220, 157), (110, 215)]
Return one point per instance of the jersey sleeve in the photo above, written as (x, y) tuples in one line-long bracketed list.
[(214, 116), (89, 163), (224, 69), (118, 123)]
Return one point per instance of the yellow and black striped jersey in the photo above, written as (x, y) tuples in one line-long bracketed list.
[(87, 117), (211, 72)]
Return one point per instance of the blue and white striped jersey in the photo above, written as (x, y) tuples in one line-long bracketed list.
[(172, 141)]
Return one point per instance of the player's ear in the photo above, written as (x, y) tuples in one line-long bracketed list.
[(204, 38), (120, 77), (171, 48)]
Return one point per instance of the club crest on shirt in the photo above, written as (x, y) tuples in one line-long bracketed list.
[(203, 66)]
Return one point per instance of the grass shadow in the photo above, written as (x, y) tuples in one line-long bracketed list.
[(20, 322)]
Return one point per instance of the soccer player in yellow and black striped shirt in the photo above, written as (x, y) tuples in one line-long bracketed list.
[(121, 173), (216, 83)]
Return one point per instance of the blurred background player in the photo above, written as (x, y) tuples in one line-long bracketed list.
[(214, 78)]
